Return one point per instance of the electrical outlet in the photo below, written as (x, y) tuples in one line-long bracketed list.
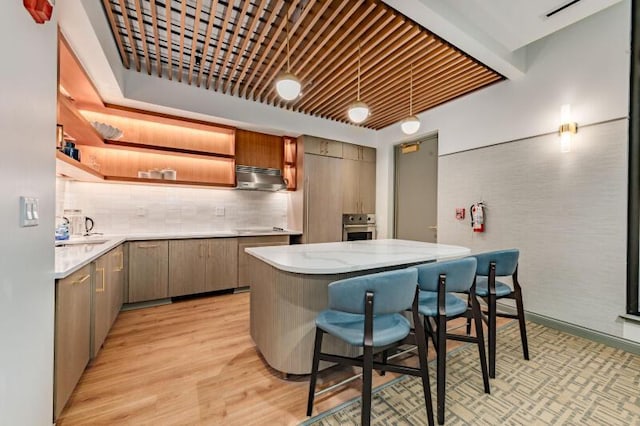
[(219, 211)]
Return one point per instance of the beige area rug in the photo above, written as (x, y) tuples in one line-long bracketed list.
[(568, 381)]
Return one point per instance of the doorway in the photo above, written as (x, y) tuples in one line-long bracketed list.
[(416, 190)]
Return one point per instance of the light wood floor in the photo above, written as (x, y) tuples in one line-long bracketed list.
[(193, 362)]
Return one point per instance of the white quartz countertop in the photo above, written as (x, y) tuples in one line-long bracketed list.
[(78, 252), (350, 256)]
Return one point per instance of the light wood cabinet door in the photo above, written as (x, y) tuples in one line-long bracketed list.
[(321, 146), (243, 257), (116, 284), (350, 186), (368, 154), (322, 199), (148, 270), (367, 187), (350, 151), (187, 266), (101, 305), (72, 334), (222, 264)]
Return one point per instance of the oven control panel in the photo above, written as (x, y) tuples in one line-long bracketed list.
[(358, 219)]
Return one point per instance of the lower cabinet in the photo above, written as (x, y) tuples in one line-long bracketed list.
[(243, 258), (108, 289), (72, 334), (148, 271), (202, 265)]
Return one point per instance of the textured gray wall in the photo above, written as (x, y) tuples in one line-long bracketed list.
[(565, 212)]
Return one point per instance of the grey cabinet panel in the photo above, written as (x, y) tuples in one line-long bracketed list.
[(148, 270)]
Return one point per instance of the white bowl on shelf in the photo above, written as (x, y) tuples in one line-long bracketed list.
[(107, 131)]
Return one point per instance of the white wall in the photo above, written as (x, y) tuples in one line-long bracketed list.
[(132, 209), (27, 167), (585, 65)]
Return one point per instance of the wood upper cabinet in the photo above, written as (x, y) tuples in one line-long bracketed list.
[(359, 179), (148, 270), (243, 257), (186, 266), (367, 187), (323, 186), (72, 334), (358, 152), (221, 271), (321, 146), (259, 150)]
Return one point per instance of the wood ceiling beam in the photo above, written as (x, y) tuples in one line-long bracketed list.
[(250, 87), (221, 34), (169, 42), (240, 84), (127, 25), (381, 50), (194, 41), (207, 40), (156, 37), (245, 41), (270, 76), (232, 43), (143, 36), (114, 29), (182, 31)]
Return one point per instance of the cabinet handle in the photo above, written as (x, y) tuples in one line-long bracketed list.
[(81, 280), (121, 267), (145, 246), (209, 252), (101, 270)]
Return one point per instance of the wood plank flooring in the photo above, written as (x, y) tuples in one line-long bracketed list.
[(193, 362)]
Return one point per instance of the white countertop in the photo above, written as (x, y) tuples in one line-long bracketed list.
[(78, 253), (350, 256)]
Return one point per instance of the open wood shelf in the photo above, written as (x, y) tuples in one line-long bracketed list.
[(75, 124), (165, 181), (67, 166), (169, 149)]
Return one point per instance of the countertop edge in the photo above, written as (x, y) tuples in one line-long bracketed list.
[(113, 241)]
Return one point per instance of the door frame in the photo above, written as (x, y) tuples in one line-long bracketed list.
[(418, 140)]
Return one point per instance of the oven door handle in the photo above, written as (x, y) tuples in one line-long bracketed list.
[(358, 226)]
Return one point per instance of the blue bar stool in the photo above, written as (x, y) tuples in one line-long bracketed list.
[(499, 264), (366, 311), (437, 304)]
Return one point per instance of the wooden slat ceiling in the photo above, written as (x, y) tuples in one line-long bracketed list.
[(239, 47)]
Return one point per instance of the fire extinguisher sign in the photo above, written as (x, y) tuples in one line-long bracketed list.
[(477, 216)]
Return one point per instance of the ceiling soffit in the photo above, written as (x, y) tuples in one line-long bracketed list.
[(239, 48)]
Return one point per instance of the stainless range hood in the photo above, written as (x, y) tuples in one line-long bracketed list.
[(259, 179)]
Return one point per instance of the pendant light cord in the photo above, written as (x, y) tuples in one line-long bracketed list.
[(358, 71), (288, 52), (411, 91)]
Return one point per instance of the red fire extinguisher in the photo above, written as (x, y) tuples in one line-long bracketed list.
[(40, 10), (477, 216)]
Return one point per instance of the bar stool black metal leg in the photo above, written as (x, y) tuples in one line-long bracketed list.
[(477, 317), (314, 370), (469, 305), (385, 357), (441, 365), (423, 343), (492, 336), (521, 323), (366, 385)]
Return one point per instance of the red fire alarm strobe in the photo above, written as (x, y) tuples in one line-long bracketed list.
[(40, 10)]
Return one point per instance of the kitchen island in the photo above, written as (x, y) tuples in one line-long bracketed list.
[(289, 288)]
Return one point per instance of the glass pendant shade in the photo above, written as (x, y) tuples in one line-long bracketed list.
[(358, 112), (288, 86), (410, 125)]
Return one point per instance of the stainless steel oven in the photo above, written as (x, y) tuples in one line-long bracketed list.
[(356, 226)]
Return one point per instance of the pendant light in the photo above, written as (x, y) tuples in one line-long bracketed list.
[(358, 111), (411, 124), (287, 85)]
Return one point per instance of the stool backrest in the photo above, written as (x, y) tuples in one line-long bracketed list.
[(394, 292), (460, 274), (506, 262)]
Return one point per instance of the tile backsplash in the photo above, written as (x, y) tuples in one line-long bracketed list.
[(125, 208)]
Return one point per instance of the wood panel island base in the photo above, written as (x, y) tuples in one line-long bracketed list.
[(289, 288)]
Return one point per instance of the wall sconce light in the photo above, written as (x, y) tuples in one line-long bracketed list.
[(567, 128)]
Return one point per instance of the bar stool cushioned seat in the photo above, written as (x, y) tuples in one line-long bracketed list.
[(428, 304), (482, 287), (367, 311)]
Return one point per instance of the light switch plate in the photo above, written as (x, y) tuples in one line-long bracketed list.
[(219, 211), (29, 215)]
